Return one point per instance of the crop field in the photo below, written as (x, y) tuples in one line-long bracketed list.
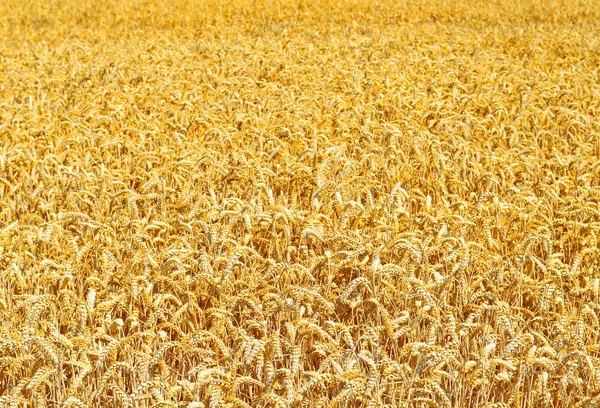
[(269, 203)]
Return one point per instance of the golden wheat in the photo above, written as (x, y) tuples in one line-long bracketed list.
[(299, 203)]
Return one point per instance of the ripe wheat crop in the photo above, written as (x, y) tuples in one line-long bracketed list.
[(299, 203)]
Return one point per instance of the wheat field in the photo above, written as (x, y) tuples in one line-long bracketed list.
[(299, 203)]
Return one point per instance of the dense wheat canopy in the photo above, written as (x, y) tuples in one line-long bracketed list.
[(259, 203)]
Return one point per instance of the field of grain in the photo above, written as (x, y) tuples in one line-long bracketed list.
[(299, 203)]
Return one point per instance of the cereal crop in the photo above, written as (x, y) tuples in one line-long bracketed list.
[(269, 203)]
